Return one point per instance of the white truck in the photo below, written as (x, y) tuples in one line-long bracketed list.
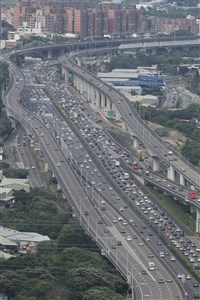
[(152, 266), (117, 163)]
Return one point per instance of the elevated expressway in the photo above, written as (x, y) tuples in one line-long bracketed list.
[(126, 259), (106, 98)]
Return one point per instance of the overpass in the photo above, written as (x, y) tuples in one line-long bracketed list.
[(107, 99)]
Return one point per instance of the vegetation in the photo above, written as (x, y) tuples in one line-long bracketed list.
[(175, 209), (174, 120), (68, 267), (5, 124), (12, 173), (164, 60)]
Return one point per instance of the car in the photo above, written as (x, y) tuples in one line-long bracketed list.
[(141, 244), (86, 213), (169, 280), (173, 258), (123, 230), (114, 246), (195, 284), (188, 277), (143, 272), (159, 243), (129, 238), (100, 221), (161, 281), (58, 164), (196, 296), (179, 276), (33, 167), (119, 243), (150, 255), (114, 220)]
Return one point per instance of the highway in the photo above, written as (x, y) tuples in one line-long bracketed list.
[(135, 124), (126, 259)]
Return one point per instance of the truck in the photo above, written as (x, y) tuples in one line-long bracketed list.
[(117, 163), (192, 195), (152, 266)]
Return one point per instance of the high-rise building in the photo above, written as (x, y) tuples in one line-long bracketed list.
[(84, 19)]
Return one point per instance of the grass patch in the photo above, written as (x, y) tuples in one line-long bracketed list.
[(177, 210)]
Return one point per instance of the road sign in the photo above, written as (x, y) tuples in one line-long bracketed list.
[(111, 113)]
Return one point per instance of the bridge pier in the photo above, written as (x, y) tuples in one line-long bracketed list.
[(49, 54), (65, 74), (182, 180), (156, 165), (192, 209), (58, 187), (46, 167), (79, 61), (197, 220), (171, 173), (136, 143)]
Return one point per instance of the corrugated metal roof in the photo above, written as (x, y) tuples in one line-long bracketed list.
[(6, 242)]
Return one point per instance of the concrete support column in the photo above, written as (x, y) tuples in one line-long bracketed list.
[(49, 55), (79, 61), (92, 94), (182, 180), (136, 143), (107, 107), (46, 166), (171, 173), (75, 81), (156, 165), (65, 75), (88, 92), (111, 105), (98, 98), (103, 99), (197, 220), (84, 92), (192, 209)]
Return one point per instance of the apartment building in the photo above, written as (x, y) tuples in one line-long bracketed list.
[(84, 19)]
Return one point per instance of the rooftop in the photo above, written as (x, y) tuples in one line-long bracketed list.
[(6, 242)]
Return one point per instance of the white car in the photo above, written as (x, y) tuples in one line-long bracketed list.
[(129, 238)]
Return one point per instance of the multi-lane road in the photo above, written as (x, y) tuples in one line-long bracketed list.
[(132, 257), (135, 124)]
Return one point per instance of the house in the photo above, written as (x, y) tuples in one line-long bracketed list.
[(26, 241)]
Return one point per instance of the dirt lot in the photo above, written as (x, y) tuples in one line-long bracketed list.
[(175, 138)]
